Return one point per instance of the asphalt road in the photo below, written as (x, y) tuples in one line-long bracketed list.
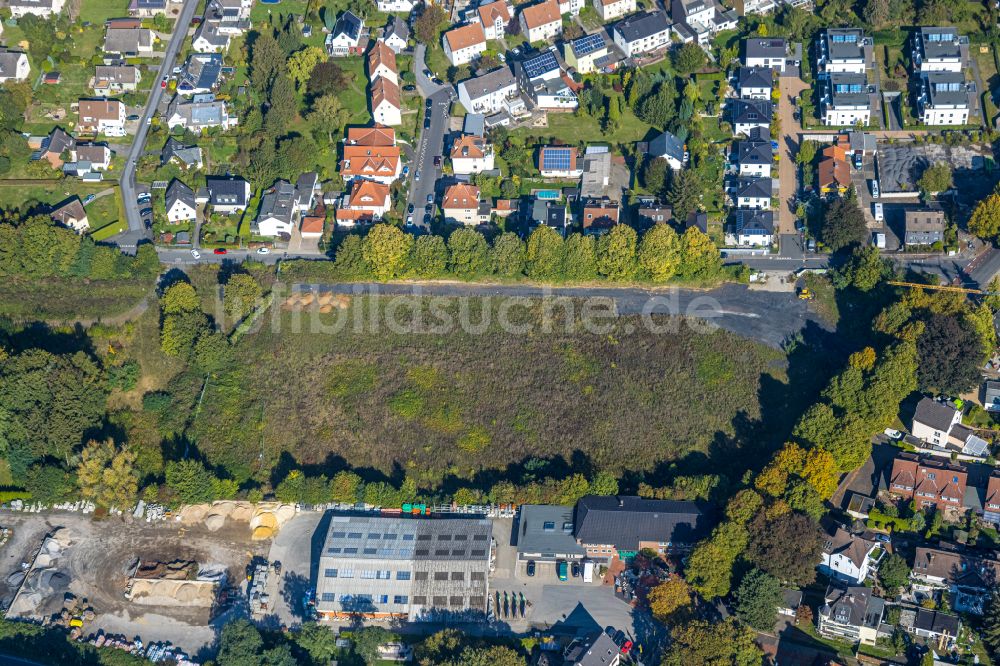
[(431, 141), (136, 229)]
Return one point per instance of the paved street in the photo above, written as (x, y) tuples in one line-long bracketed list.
[(431, 142), (791, 129), (136, 230)]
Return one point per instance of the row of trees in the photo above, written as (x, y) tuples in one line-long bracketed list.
[(660, 255)]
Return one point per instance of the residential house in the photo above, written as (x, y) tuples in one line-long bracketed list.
[(471, 154), (307, 190), (345, 37), (754, 156), (642, 33), (39, 8), (96, 155), (395, 6), (698, 220), (848, 556), (834, 170), (180, 203), (936, 626), (386, 102), (396, 34), (596, 177), (227, 194), (587, 54), (746, 114), (598, 649), (541, 21), (928, 481), (609, 10), (133, 42), (790, 602), (381, 164), (559, 162), (147, 8), (542, 79), (991, 399), (201, 112), (945, 98), (312, 226), (701, 18), (924, 227), (504, 208), (494, 17), (367, 202), (571, 7), (938, 49), (651, 211), (277, 211), (382, 63), (747, 7), (545, 534), (754, 193), (377, 136), (71, 213), (187, 156), (991, 501), (460, 204), (464, 44), (844, 51), (939, 426), (620, 526), (201, 74), (754, 227), (101, 116), (209, 38), (765, 52), (490, 92), (115, 79), (13, 66), (851, 613), (847, 99), (551, 214), (755, 82), (969, 578), (670, 148), (599, 216), (55, 147)]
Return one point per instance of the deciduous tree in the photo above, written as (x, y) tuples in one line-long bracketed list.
[(468, 252), (507, 256), (580, 258), (241, 294), (616, 253), (660, 252), (671, 600), (757, 599), (544, 256), (985, 220), (688, 59), (950, 356), (937, 177), (300, 64), (107, 475), (385, 249), (701, 642), (843, 225), (787, 546), (428, 257)]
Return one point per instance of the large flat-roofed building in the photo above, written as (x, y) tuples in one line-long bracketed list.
[(413, 568), (545, 534)]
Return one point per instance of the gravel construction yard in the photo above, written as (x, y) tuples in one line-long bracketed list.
[(901, 165), (100, 558)]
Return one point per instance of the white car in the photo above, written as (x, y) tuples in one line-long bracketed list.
[(195, 253), (875, 190), (263, 250), (893, 434)]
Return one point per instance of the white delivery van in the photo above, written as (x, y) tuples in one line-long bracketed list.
[(588, 572), (879, 212), (879, 241)]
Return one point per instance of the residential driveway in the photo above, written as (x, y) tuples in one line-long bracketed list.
[(791, 129), (299, 245)]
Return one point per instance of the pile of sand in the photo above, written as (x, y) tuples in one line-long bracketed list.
[(176, 570), (265, 518), (325, 301)]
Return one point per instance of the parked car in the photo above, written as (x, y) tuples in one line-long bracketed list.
[(893, 434), (163, 83), (263, 250), (146, 211), (858, 161), (427, 220), (626, 647), (437, 160), (409, 219), (409, 87), (879, 212), (427, 122), (148, 223), (406, 171), (195, 253), (883, 538), (875, 190), (416, 176), (430, 198), (531, 567), (409, 209), (811, 245), (143, 198), (220, 250), (132, 117), (429, 103), (428, 74), (436, 81), (87, 199), (561, 570), (576, 569)]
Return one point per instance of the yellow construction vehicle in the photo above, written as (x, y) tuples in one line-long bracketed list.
[(806, 295)]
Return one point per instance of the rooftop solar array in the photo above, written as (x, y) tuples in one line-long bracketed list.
[(557, 159), (588, 44), (535, 67)]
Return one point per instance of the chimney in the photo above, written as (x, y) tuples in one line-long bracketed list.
[(621, 502)]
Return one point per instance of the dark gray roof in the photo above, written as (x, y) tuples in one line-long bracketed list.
[(848, 88), (58, 142), (625, 520), (751, 111), (945, 88), (854, 605), (227, 190), (643, 25), (754, 187), (844, 43), (547, 528), (600, 650), (755, 77), (404, 537), (936, 622), (935, 414), (791, 598), (755, 222), (667, 145), (489, 82), (178, 191), (305, 187), (397, 26), (753, 152), (201, 71), (764, 47), (278, 202), (348, 24), (940, 42)]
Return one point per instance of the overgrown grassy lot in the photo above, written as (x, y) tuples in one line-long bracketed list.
[(472, 406), (69, 299)]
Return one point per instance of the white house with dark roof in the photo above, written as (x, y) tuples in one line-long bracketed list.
[(753, 193), (851, 613), (755, 82), (843, 50), (670, 148), (642, 33), (201, 112), (114, 79), (180, 203), (396, 35), (395, 6), (939, 50), (753, 227), (754, 156), (846, 99), (129, 41), (609, 10), (345, 37), (39, 8), (765, 52), (848, 556), (14, 66), (209, 39), (277, 211), (945, 98), (488, 93), (227, 194), (747, 114)]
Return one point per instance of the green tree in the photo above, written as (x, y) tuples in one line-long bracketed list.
[(429, 24), (385, 250), (757, 599), (616, 253), (710, 567), (266, 62), (329, 114), (319, 640), (876, 13), (241, 294), (894, 573), (701, 642), (864, 270), (190, 481), (990, 631), (936, 178), (178, 298), (212, 352), (429, 257), (671, 600), (345, 487), (688, 59), (301, 63), (50, 484), (507, 256), (659, 108), (843, 225), (985, 220), (580, 258), (282, 108), (950, 356), (367, 640), (660, 252), (654, 175), (240, 644), (787, 546), (685, 193), (181, 331), (545, 253), (807, 152), (468, 253), (604, 483), (349, 261), (107, 475), (700, 258)]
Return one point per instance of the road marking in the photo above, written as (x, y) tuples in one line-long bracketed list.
[(750, 315)]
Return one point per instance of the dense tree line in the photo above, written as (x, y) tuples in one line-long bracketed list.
[(660, 255)]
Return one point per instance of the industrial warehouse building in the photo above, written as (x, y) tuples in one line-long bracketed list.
[(405, 567)]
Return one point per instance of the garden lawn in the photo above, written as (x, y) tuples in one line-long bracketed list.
[(572, 129), (98, 11), (457, 403), (100, 212)]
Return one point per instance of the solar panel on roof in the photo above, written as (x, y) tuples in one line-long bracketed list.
[(539, 65), (556, 159), (588, 44)]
